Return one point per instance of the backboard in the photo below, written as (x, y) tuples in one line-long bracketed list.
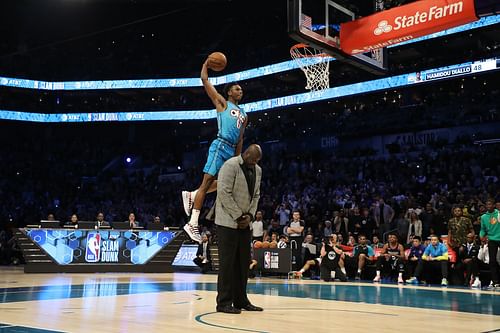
[(317, 23)]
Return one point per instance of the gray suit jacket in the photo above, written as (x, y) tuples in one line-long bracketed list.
[(233, 199)]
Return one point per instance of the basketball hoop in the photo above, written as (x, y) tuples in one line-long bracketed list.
[(314, 64)]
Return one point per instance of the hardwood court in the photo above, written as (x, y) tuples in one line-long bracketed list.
[(180, 302)]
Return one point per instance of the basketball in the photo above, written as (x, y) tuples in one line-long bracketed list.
[(265, 245), (273, 245), (217, 61), (257, 244)]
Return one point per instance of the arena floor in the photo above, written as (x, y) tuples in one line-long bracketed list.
[(186, 301)]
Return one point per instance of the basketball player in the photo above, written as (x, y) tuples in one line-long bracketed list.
[(231, 123), (391, 259)]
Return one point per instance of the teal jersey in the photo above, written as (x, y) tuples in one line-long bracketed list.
[(230, 122), (490, 225)]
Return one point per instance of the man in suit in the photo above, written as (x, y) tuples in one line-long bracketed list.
[(100, 220), (202, 259), (238, 193)]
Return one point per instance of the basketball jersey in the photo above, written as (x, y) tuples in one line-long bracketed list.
[(362, 249), (229, 123), (331, 259), (391, 251)]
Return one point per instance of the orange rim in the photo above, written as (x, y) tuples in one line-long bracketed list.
[(300, 55)]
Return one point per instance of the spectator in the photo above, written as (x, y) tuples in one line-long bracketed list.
[(73, 220), (341, 224), (258, 227), (355, 221), (283, 214), (283, 242), (132, 222), (100, 220), (414, 225), (202, 259), (468, 256), (458, 228), (327, 230), (376, 243), (383, 215), (351, 241), (429, 221), (274, 227), (367, 225), (274, 238), (402, 226)]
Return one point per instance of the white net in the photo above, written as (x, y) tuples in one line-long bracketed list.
[(315, 65)]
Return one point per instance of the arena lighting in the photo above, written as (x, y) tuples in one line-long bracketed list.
[(431, 75), (487, 142), (195, 82), (128, 160)]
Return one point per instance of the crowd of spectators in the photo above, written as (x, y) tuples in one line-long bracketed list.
[(75, 176)]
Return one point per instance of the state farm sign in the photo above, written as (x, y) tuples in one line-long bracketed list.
[(404, 23)]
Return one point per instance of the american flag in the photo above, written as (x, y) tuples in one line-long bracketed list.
[(306, 21)]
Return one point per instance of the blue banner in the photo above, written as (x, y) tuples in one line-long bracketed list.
[(69, 247), (331, 93), (185, 256)]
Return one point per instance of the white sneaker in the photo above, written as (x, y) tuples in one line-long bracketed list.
[(192, 232), (444, 282), (187, 201), (491, 286), (476, 284), (377, 278), (412, 280)]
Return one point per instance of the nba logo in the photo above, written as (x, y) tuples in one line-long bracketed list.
[(93, 248), (267, 260)]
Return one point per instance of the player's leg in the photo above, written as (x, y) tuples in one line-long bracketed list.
[(192, 226), (342, 260), (217, 155), (380, 264), (188, 197), (400, 266), (305, 268), (362, 259)]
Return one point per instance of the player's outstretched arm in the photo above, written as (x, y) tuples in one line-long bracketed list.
[(217, 99)]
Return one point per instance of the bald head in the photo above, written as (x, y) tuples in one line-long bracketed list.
[(252, 154)]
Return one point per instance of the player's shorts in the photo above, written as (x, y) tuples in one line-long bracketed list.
[(218, 153)]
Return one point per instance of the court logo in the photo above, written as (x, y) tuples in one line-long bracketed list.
[(93, 247), (382, 27), (271, 260), (267, 260)]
